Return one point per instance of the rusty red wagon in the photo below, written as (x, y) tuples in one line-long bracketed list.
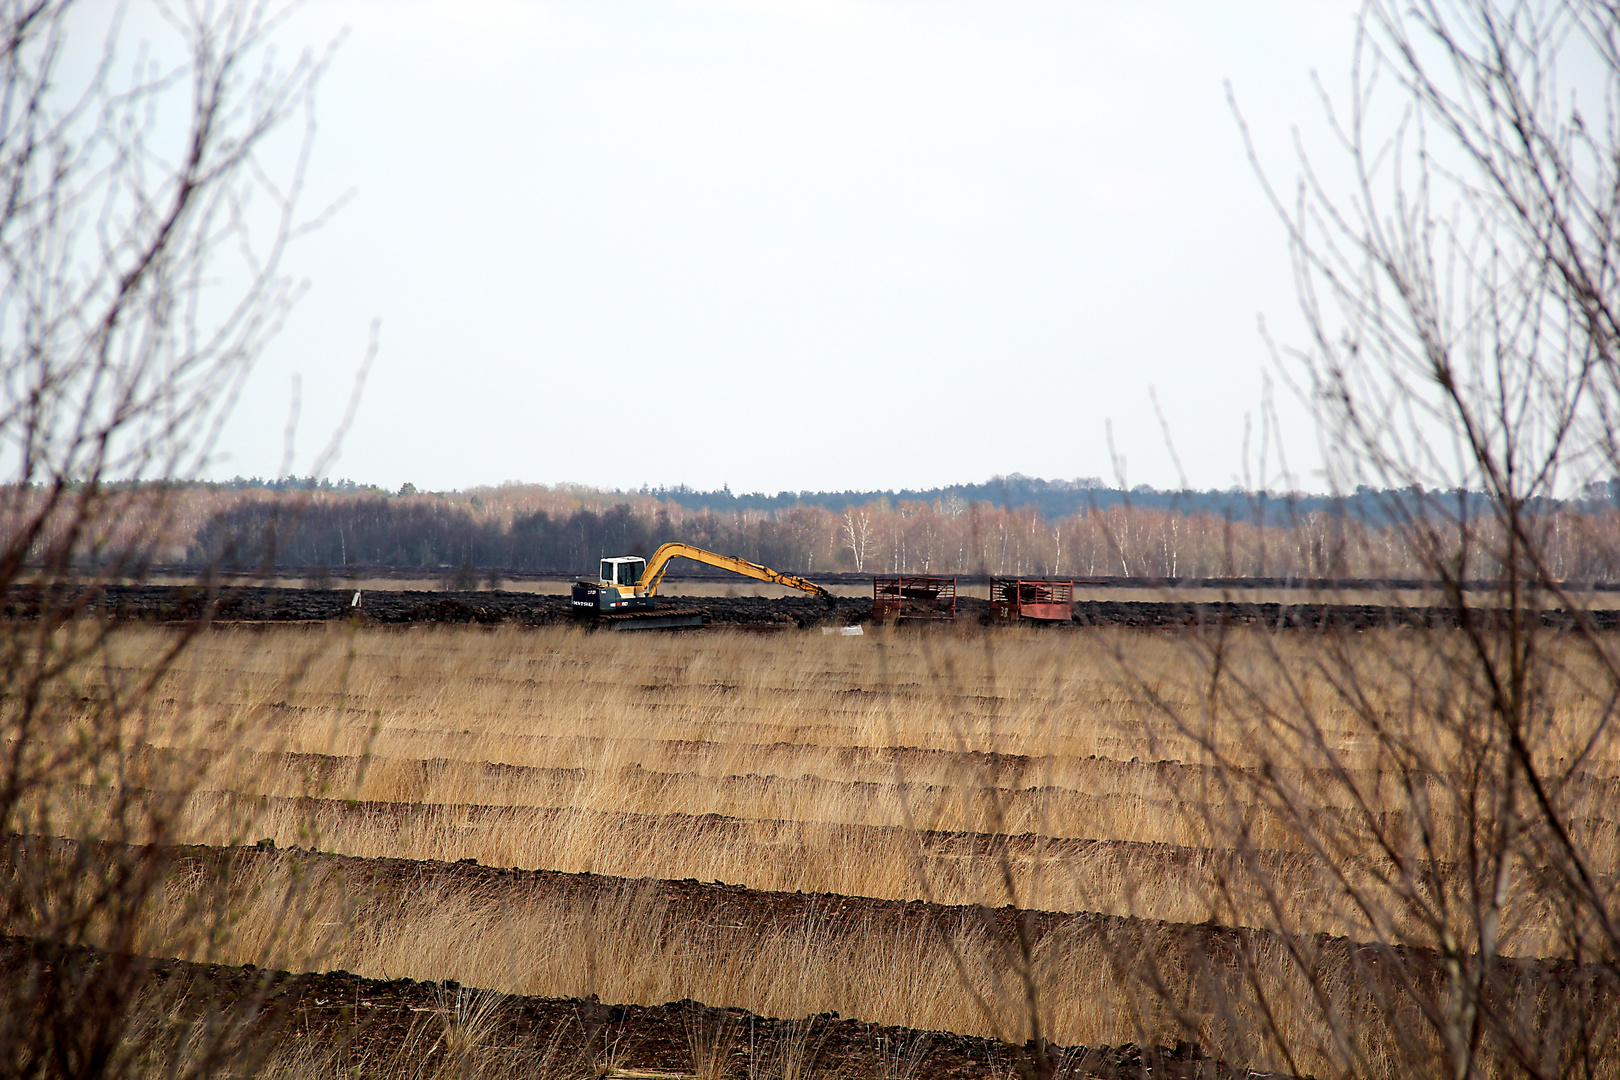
[(1044, 599), (913, 597)]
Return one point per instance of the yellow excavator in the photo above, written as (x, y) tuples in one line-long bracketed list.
[(629, 584)]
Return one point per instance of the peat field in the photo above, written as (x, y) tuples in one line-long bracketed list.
[(171, 603)]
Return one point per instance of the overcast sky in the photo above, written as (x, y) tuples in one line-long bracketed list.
[(794, 245)]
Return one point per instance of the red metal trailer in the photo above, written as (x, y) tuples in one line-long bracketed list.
[(1031, 598), (904, 597)]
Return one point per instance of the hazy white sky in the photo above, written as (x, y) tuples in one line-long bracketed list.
[(790, 245)]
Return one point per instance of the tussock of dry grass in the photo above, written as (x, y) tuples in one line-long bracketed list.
[(629, 944)]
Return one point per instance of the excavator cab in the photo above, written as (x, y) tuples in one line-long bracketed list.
[(626, 571)]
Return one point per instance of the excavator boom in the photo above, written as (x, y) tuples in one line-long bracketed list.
[(661, 559)]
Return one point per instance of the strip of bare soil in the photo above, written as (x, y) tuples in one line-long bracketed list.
[(344, 1021), (706, 903)]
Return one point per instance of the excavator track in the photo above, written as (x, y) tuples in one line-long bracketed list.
[(645, 619)]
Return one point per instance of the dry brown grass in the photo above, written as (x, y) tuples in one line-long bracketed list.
[(896, 765), (824, 756)]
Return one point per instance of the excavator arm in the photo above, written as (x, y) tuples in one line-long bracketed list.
[(661, 559)]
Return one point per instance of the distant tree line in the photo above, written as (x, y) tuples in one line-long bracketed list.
[(297, 483), (1065, 498), (942, 536), (422, 532)]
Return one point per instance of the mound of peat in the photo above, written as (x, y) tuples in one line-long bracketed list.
[(165, 603), (1310, 616)]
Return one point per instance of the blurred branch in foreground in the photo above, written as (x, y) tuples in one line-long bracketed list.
[(1451, 786), (142, 235)]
